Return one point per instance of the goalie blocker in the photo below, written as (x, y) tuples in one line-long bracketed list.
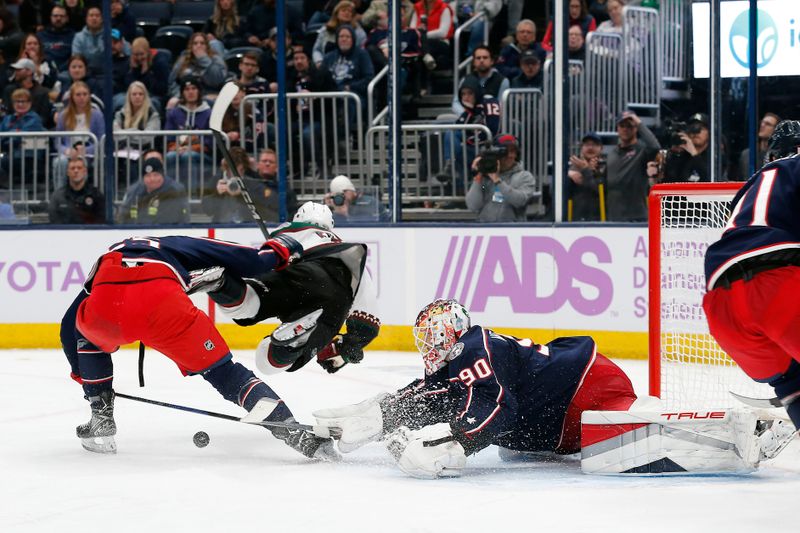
[(679, 442)]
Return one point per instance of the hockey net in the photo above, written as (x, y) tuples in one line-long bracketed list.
[(687, 366)]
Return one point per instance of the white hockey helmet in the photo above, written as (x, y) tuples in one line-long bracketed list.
[(314, 213), (437, 329)]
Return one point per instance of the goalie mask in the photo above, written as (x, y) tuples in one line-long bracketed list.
[(314, 213), (437, 329), (784, 141)]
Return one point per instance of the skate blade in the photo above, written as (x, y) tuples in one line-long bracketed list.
[(99, 444)]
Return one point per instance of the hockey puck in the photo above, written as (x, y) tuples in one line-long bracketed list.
[(201, 439)]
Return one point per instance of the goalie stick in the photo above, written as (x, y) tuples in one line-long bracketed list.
[(232, 418), (221, 104), (761, 403)]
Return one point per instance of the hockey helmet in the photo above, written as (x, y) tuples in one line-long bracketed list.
[(314, 213), (784, 140), (437, 329)]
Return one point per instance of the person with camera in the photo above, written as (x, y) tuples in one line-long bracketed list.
[(502, 188), (627, 176), (688, 158), (586, 172), (350, 205)]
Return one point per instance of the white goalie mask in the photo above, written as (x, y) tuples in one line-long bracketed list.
[(314, 213), (437, 329)]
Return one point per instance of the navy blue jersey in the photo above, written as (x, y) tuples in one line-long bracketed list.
[(184, 254), (764, 218), (500, 390)]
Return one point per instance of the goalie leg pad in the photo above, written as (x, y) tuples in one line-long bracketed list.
[(722, 441), (354, 425)]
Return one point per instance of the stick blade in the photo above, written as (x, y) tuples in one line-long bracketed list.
[(221, 104)]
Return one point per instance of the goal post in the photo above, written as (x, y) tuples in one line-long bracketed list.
[(687, 368)]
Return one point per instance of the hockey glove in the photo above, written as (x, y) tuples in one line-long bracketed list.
[(427, 453), (353, 425), (337, 354), (287, 248)]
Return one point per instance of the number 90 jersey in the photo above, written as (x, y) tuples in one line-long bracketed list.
[(764, 220), (512, 392)]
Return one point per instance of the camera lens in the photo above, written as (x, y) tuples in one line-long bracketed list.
[(338, 199)]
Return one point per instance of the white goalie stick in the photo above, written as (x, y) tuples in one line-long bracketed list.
[(221, 104), (761, 403)]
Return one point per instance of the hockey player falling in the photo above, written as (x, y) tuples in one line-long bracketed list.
[(138, 291), (483, 388)]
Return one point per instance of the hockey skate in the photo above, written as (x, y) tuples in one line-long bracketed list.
[(97, 435), (296, 333), (307, 443)]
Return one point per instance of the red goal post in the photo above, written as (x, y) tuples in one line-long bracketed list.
[(686, 366)]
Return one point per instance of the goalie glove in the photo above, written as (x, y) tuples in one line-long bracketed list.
[(287, 248), (353, 425), (337, 354), (427, 453)]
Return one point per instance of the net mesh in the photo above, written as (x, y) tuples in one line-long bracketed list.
[(695, 372)]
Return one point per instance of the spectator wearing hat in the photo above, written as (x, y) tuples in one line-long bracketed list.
[(350, 205), (198, 61), (502, 195), (155, 199), (188, 155), (23, 79), (350, 66), (123, 20), (343, 14), (531, 75), (587, 171), (57, 38), (120, 65), (491, 81), (508, 61), (77, 202), (627, 179), (690, 161)]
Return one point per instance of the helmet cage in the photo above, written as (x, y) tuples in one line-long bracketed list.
[(437, 329)]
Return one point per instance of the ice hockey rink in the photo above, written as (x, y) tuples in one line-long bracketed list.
[(245, 480)]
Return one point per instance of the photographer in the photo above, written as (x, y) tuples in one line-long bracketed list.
[(688, 158), (349, 205), (501, 188)]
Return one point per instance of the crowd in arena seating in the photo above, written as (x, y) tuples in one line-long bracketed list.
[(53, 77)]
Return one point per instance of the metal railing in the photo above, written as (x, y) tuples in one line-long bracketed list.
[(641, 66), (436, 164), (372, 118), (465, 65), (525, 115), (674, 30), (603, 75)]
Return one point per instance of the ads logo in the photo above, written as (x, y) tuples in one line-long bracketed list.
[(767, 43)]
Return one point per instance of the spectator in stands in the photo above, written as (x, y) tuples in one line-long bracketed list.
[(577, 44), (155, 199), (46, 73), (225, 29), (7, 214), (305, 77), (23, 79), (34, 14), (151, 68), (502, 195), (10, 36), (525, 39), (531, 75), (371, 17), (343, 13), (122, 20), (765, 129), (350, 66), (188, 155), (578, 16), (21, 119), (472, 8), (89, 41), (57, 38), (690, 161), (201, 62), (76, 13), (267, 169), (268, 60), (77, 115), (136, 115), (78, 70), (598, 9), (120, 65), (77, 202), (249, 80), (586, 172), (253, 124), (350, 205), (615, 22), (261, 19), (436, 21), (491, 81), (377, 46), (627, 180)]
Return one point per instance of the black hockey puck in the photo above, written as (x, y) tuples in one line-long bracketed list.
[(201, 439)]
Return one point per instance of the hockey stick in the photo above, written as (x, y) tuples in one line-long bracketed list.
[(762, 403), (232, 418), (221, 104)]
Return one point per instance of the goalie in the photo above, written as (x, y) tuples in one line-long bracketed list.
[(483, 388)]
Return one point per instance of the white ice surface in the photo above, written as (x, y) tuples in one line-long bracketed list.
[(246, 481)]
